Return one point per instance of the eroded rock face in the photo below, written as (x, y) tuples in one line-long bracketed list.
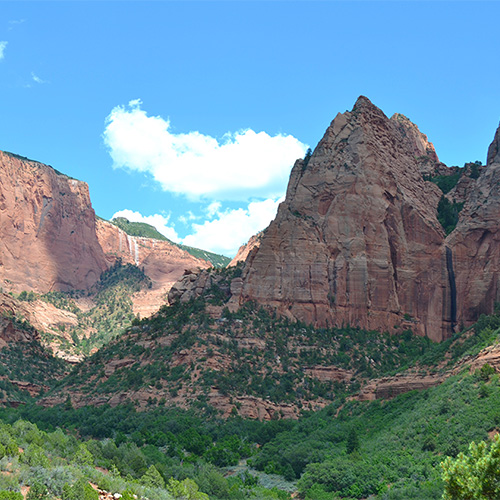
[(357, 240), (47, 229), (245, 250), (475, 244), (163, 262)]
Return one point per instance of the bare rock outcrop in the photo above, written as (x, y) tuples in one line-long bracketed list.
[(47, 229), (357, 240), (475, 244), (246, 249)]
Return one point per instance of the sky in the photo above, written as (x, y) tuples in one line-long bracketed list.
[(189, 115)]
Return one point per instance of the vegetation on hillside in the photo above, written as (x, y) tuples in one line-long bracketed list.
[(56, 464), (349, 449), (111, 312), (383, 449), (447, 214)]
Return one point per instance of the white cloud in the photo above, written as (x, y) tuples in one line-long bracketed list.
[(232, 228), (3, 45), (37, 79), (213, 209), (241, 166), (160, 222), (188, 217)]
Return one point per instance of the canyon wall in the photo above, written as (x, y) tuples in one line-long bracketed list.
[(357, 240), (47, 229)]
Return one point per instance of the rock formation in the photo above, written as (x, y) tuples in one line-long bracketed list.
[(47, 229), (245, 249), (475, 244), (357, 240), (162, 261)]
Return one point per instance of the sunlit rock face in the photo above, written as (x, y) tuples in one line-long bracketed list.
[(357, 240), (162, 261)]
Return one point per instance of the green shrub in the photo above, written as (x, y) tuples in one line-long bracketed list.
[(81, 490), (10, 495), (38, 491)]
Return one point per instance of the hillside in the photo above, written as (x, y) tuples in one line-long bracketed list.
[(347, 447), (352, 348), (147, 231)]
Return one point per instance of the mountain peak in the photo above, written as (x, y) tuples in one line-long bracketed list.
[(494, 149)]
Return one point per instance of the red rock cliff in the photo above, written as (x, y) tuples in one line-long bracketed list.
[(47, 229), (357, 240), (475, 243)]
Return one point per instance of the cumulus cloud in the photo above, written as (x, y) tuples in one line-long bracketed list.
[(3, 45), (160, 222), (224, 233), (240, 166), (232, 228)]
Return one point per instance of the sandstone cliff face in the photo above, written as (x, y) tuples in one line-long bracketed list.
[(47, 229), (357, 240), (475, 244), (163, 262), (245, 249)]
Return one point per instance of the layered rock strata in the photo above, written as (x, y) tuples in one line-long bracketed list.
[(357, 240)]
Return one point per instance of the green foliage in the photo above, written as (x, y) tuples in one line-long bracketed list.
[(475, 475), (81, 490), (112, 313), (83, 456), (152, 478), (38, 491), (352, 443), (185, 490), (140, 229), (307, 157), (34, 456), (486, 372), (446, 182), (447, 214), (10, 495)]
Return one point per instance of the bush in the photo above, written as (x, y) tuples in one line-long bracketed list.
[(38, 491), (81, 490), (10, 495)]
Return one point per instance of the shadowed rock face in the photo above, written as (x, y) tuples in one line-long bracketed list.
[(357, 240), (47, 229), (476, 243)]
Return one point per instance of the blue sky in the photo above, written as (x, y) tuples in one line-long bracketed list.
[(190, 114)]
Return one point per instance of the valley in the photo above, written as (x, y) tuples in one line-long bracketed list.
[(347, 350)]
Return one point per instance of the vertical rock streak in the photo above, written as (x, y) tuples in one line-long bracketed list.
[(453, 288)]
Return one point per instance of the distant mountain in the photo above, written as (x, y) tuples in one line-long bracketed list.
[(147, 231), (55, 251)]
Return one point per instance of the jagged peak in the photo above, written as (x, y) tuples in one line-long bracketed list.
[(494, 149), (363, 105)]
